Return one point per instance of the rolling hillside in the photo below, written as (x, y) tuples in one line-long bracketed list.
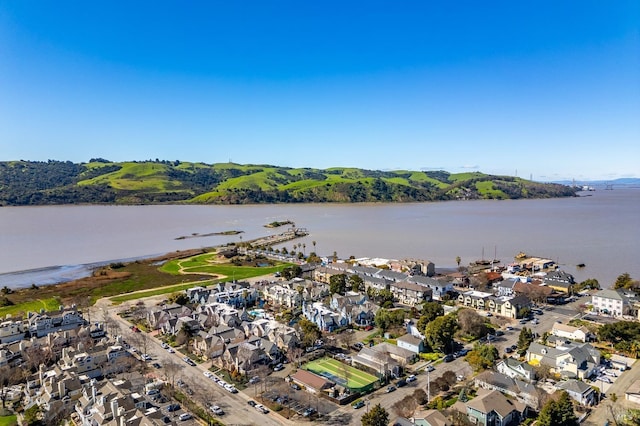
[(155, 182)]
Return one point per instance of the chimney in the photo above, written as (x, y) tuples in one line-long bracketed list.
[(62, 388), (114, 408), (93, 392)]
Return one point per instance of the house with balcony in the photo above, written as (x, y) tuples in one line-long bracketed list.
[(522, 391), (613, 302), (570, 360), (439, 289), (43, 323), (579, 391)]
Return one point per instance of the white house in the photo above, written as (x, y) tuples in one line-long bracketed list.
[(580, 334), (611, 302), (411, 343)]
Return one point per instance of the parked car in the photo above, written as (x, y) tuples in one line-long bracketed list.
[(164, 345), (295, 386), (412, 378), (508, 349), (358, 404), (216, 410), (509, 328), (278, 367), (156, 365), (448, 358), (251, 403), (430, 368), (401, 383), (390, 388), (146, 357), (463, 352), (185, 416), (254, 379), (173, 407)]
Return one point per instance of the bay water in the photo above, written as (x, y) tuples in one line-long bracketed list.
[(601, 229)]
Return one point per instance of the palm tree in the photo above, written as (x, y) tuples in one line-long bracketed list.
[(314, 245), (458, 260), (304, 248)]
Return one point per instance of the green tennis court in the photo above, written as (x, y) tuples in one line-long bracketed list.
[(342, 374)]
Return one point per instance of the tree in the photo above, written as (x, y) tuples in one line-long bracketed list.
[(405, 406), (524, 340), (623, 281), (482, 357), (458, 260), (377, 416), (356, 283), (439, 333), (310, 332), (338, 284), (471, 324), (558, 412), (432, 310), (420, 396)]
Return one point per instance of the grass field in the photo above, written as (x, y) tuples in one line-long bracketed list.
[(51, 304), (205, 264), (342, 374)]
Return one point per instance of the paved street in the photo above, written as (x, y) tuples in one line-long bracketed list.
[(237, 411)]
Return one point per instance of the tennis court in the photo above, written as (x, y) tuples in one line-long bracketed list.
[(342, 374)]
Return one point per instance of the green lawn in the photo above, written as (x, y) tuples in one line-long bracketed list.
[(156, 292), (8, 420), (201, 264), (51, 304)]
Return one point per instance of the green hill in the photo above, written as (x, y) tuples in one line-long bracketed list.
[(155, 182)]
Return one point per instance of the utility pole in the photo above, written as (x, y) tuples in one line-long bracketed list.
[(428, 386)]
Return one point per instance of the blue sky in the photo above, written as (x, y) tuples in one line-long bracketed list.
[(545, 89)]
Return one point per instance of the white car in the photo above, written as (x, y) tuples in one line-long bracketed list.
[(216, 410), (411, 378), (261, 408), (170, 350), (185, 416)]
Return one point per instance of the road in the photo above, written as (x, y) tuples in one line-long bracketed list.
[(237, 411)]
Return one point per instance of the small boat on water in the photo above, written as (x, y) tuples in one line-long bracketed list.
[(580, 265)]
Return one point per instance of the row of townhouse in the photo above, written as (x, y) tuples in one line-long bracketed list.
[(227, 336), (507, 306), (293, 293), (40, 324), (407, 289), (353, 308), (236, 294)]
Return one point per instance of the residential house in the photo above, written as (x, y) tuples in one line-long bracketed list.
[(611, 302), (384, 359), (44, 323), (522, 391), (579, 391), (633, 392), (568, 360), (492, 408), (409, 293), (515, 369), (560, 281), (425, 418), (439, 289), (411, 343), (581, 334), (323, 317), (12, 331), (505, 288)]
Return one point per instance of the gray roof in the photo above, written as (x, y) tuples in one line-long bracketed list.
[(610, 294), (575, 386)]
